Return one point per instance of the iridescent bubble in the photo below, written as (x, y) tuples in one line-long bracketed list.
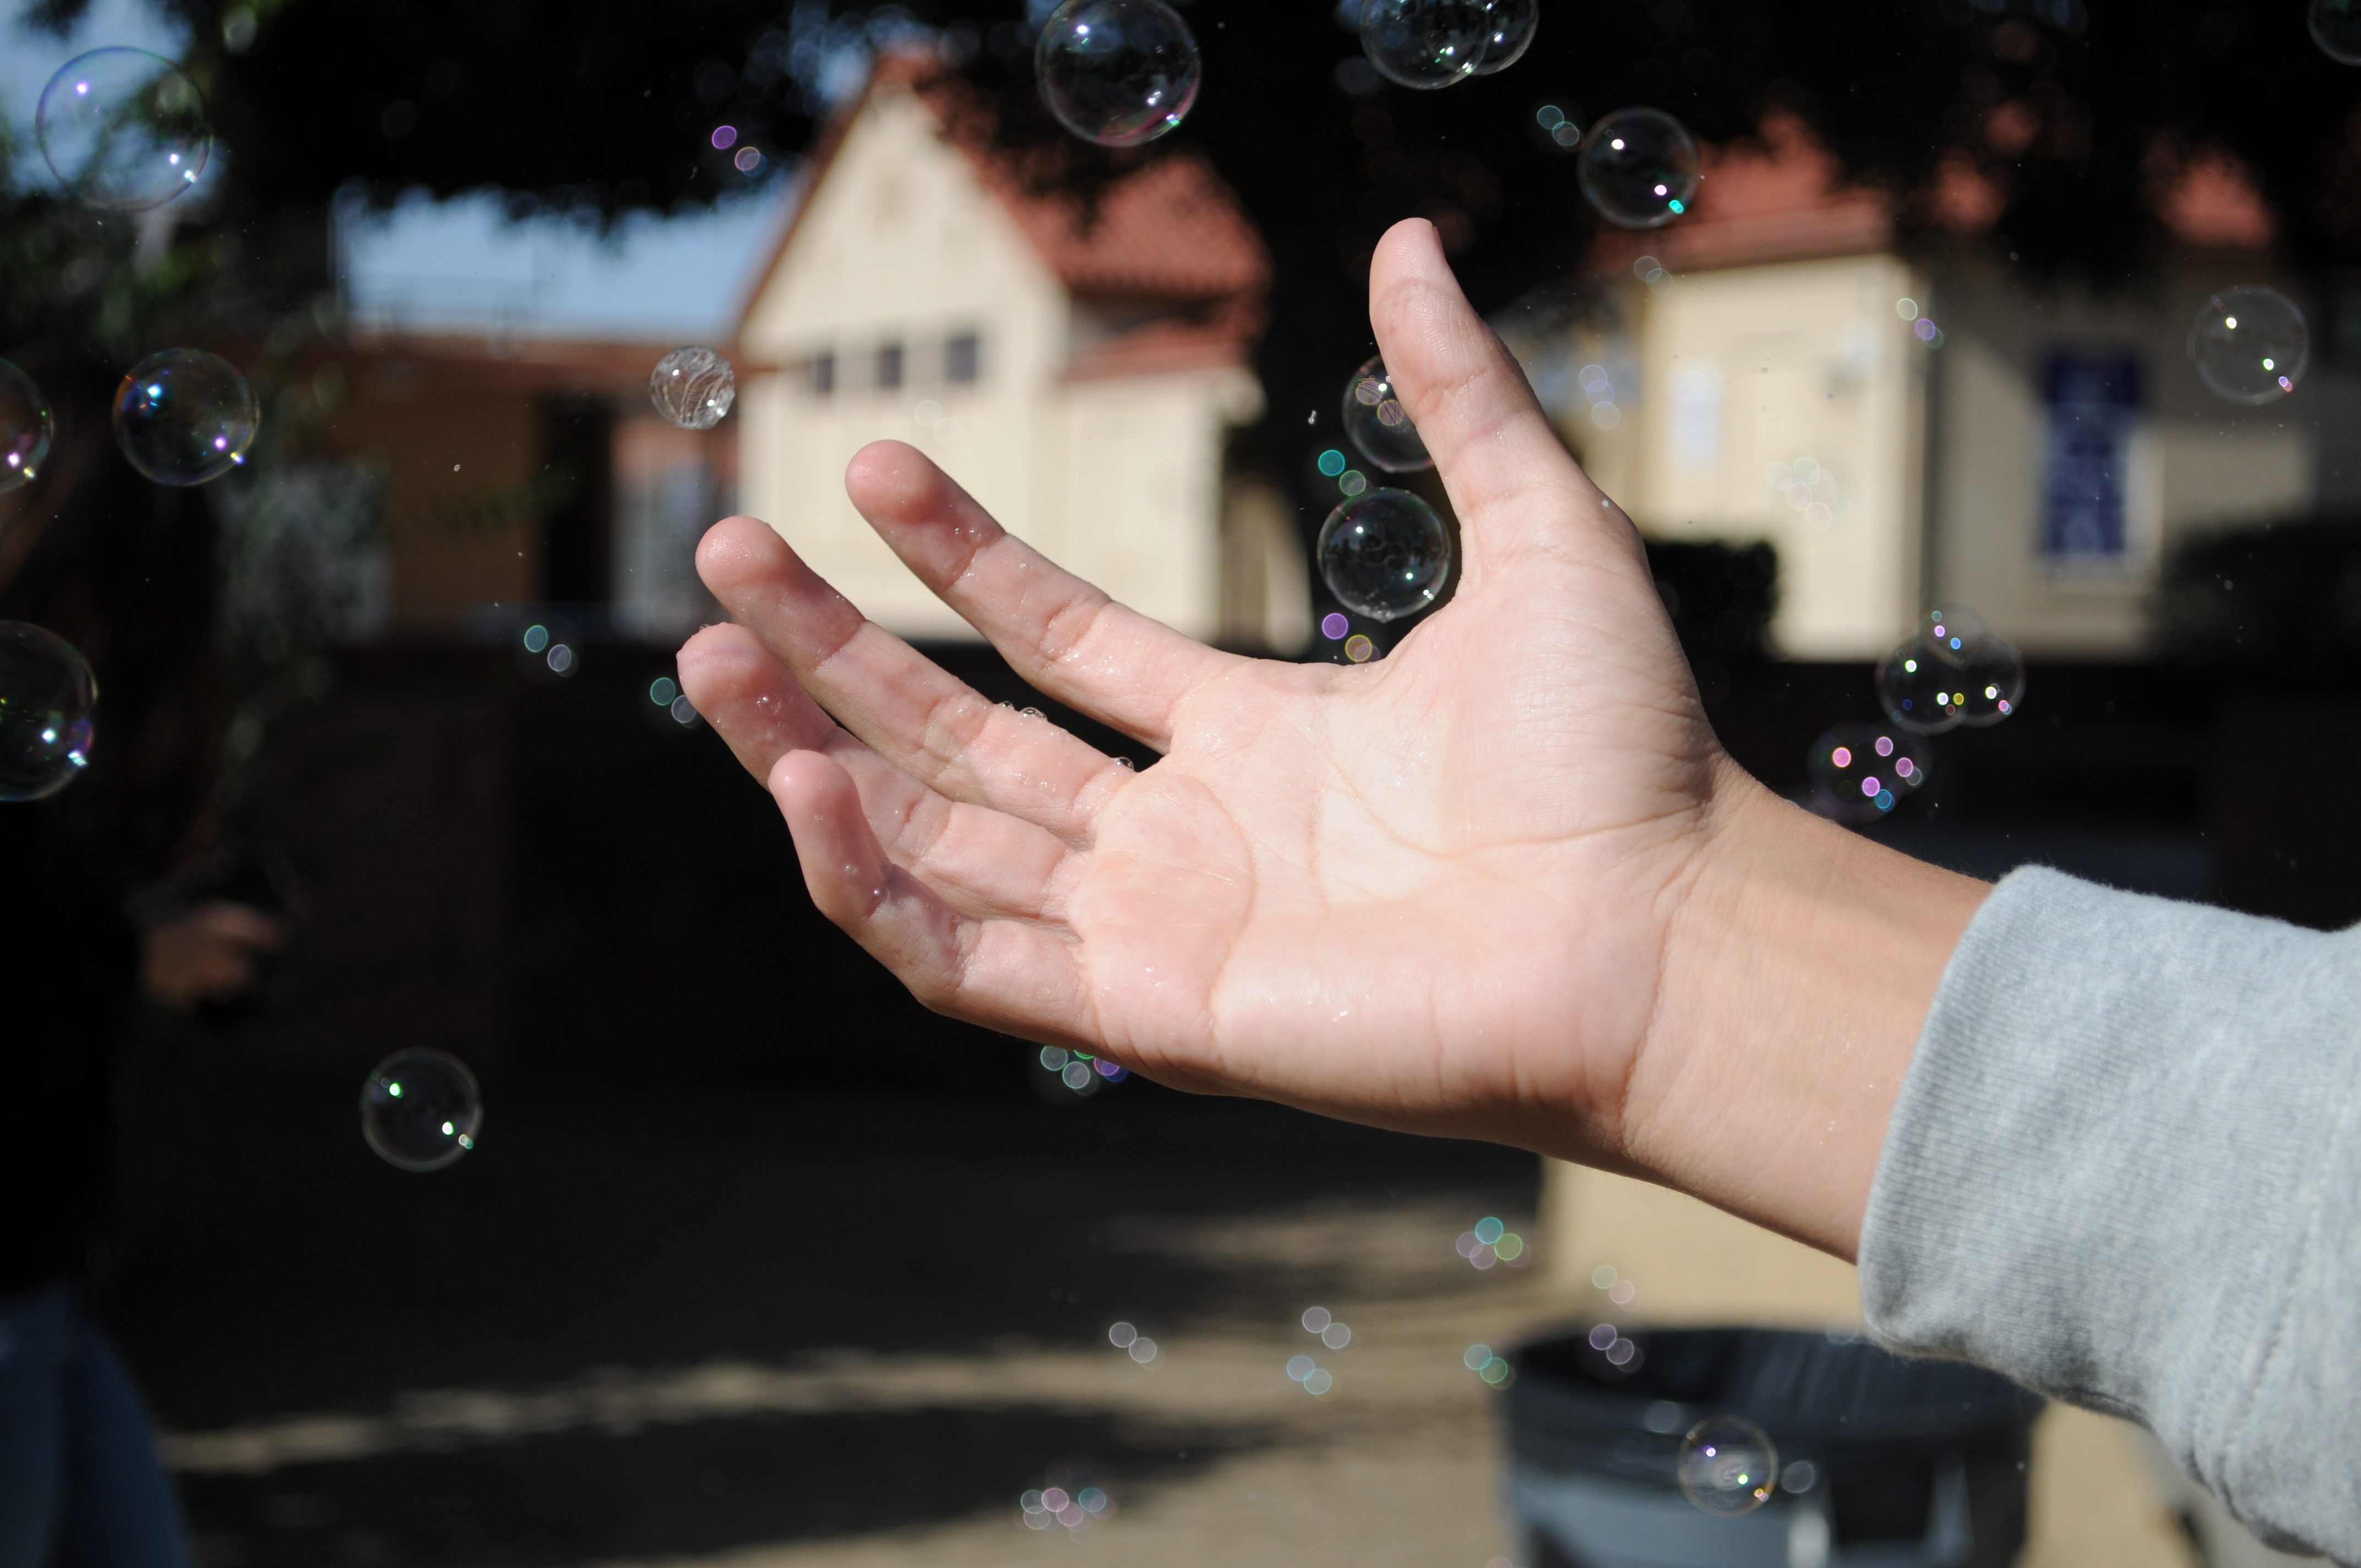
[(46, 696), (1319, 1381), (421, 1109), (1509, 29), (2336, 28), (27, 428), (1427, 44), (1359, 649), (693, 387), (1556, 126), (1956, 671), (1117, 73), (1476, 1358), (1728, 1465), (1918, 690), (1379, 426), (123, 129), (2250, 344), (1384, 554), (184, 417), (1336, 1336), (1639, 167), (1316, 1319), (1859, 771), (1299, 1368), (1991, 683)]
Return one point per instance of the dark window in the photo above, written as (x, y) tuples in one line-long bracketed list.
[(889, 367), (962, 359), (823, 374), (2094, 401)]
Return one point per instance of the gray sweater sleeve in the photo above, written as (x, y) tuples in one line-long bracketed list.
[(2125, 1169)]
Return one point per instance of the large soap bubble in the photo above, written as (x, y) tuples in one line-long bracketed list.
[(2250, 344), (421, 1109), (123, 128), (184, 416), (25, 428), (1428, 44), (1378, 423), (46, 697), (1955, 671), (1118, 73), (1728, 1465), (1384, 554), (693, 387), (1509, 29), (2336, 28), (1639, 167)]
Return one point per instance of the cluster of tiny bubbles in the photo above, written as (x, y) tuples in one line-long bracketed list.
[(1808, 487), (1492, 1368), (1618, 1349), (1922, 326), (1127, 1339), (1078, 1071), (1070, 1498), (1956, 671), (1315, 1379), (693, 387), (1557, 125), (1430, 44), (123, 129), (1598, 391), (1639, 167), (185, 417), (2250, 344), (1384, 554), (544, 649), (1859, 771), (669, 701), (1492, 1241), (421, 1109), (1332, 1333), (1117, 73), (1726, 1465), (1378, 425), (27, 428), (46, 697), (2336, 28)]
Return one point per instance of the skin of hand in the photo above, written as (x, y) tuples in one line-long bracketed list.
[(1503, 884), (206, 953)]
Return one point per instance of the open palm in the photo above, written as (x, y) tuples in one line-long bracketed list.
[(1430, 893)]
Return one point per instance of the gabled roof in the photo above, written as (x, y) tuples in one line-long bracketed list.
[(1171, 231)]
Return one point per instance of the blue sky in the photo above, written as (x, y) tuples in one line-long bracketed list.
[(460, 266)]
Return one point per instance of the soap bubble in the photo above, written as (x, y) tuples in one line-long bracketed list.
[(1859, 771), (2250, 344), (1378, 425), (123, 129), (2336, 28), (1384, 554), (1991, 683), (420, 1110), (1509, 29), (1427, 44), (184, 416), (1728, 1465), (693, 387), (1956, 671), (25, 428), (1117, 73), (46, 694), (1639, 167)]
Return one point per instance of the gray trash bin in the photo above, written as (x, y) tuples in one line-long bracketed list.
[(1885, 1462)]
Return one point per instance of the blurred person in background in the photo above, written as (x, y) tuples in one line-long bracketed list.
[(104, 915)]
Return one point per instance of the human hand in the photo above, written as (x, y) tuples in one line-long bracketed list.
[(1454, 892), (210, 952)]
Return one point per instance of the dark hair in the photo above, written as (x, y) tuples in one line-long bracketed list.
[(127, 571)]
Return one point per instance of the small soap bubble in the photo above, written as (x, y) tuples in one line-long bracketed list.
[(1991, 684), (123, 129), (1728, 1465), (1299, 1368), (2336, 28), (1384, 554), (1556, 125), (2250, 344), (1117, 73), (1639, 167), (421, 1109), (1919, 690), (1319, 1381), (1859, 771), (1126, 763), (693, 387), (1032, 713), (1123, 1336), (1333, 626), (185, 417), (1378, 423), (1509, 29), (1428, 44), (1316, 1319), (1476, 1358), (1359, 649), (1336, 1336), (46, 697), (27, 428)]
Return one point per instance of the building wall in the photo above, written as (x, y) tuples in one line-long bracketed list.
[(1746, 367), (1118, 479)]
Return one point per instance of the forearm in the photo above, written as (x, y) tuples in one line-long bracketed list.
[(1800, 961)]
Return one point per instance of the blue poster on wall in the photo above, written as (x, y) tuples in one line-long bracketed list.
[(2093, 400)]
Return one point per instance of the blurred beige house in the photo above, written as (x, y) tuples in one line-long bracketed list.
[(1077, 367), (1903, 433)]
